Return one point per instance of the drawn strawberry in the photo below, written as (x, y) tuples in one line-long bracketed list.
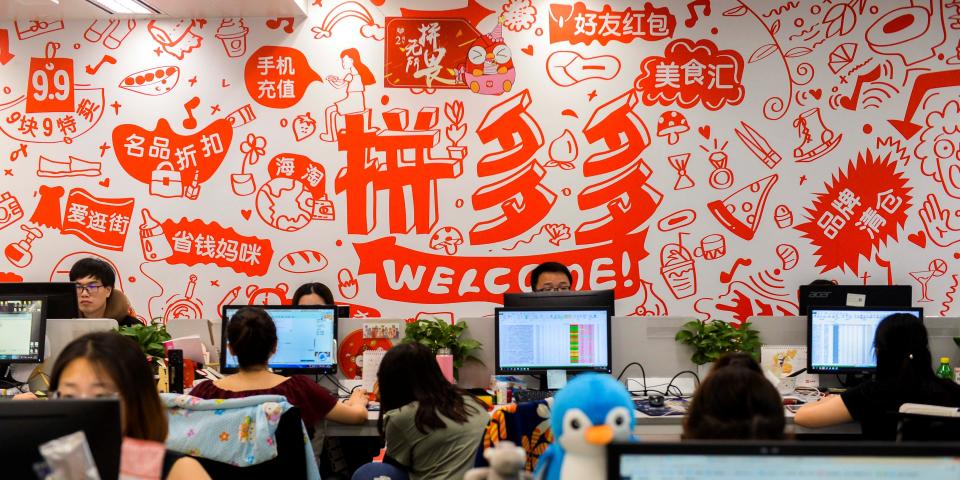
[(303, 126)]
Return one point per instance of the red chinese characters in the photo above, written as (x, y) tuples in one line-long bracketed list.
[(578, 24), (523, 200), (406, 170), (194, 241), (629, 199), (172, 165), (863, 208), (278, 77), (101, 222), (690, 73)]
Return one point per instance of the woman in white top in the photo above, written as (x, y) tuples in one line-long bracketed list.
[(357, 78)]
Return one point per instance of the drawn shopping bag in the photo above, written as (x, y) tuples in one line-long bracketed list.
[(166, 181), (50, 83)]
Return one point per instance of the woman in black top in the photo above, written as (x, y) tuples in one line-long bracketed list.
[(904, 375)]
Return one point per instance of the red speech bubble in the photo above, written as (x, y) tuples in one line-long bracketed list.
[(277, 77), (195, 241), (692, 72), (101, 222)]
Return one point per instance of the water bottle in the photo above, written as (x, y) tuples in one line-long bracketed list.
[(944, 370)]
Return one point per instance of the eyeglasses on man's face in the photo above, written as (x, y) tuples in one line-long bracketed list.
[(89, 288)]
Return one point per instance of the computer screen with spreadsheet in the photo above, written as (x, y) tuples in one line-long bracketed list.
[(306, 338), (534, 340), (782, 461), (840, 340)]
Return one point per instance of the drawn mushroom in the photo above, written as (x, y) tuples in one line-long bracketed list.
[(671, 124), (447, 238)]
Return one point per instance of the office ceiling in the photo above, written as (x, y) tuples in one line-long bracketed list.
[(81, 9)]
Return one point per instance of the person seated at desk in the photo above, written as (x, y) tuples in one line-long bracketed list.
[(106, 364), (551, 277), (252, 338), (313, 294), (735, 401), (904, 375), (431, 427), (96, 295)]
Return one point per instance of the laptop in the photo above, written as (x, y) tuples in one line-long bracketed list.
[(61, 331), (733, 460), (201, 327)]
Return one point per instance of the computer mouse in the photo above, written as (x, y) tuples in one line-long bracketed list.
[(655, 400)]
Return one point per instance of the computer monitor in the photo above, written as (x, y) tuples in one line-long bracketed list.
[(733, 460), (22, 328), (306, 339), (536, 340), (61, 296), (899, 296), (570, 298), (24, 426), (840, 339)]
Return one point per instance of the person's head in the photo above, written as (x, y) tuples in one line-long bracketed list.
[(550, 276), (94, 279), (313, 294), (738, 359), (902, 348), (252, 337), (735, 401), (351, 58), (822, 282), (106, 364), (410, 372)]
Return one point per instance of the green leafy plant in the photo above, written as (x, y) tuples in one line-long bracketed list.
[(439, 334), (149, 338), (711, 340)]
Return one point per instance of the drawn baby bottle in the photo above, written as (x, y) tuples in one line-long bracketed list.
[(155, 245)]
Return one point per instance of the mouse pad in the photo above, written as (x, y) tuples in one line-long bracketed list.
[(671, 407)]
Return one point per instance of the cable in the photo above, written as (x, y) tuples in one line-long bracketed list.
[(642, 371), (336, 383), (695, 377)]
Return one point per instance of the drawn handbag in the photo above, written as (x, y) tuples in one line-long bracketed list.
[(166, 181)]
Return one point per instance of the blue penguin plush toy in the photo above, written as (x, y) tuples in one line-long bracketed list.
[(592, 411)]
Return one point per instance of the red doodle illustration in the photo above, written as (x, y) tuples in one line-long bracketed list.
[(232, 33), (73, 167), (789, 256), (650, 303), (629, 199), (679, 163), (921, 86), (20, 253), (690, 73), (861, 209), (711, 247), (816, 140), (10, 210), (936, 268), (47, 214), (842, 57), (344, 10), (578, 24), (355, 81), (453, 111), (671, 124), (447, 239), (758, 145), (184, 306), (101, 222), (304, 126), (175, 38), (518, 15), (5, 55), (347, 284), (678, 219), (195, 241), (912, 33), (152, 81), (409, 170), (190, 122), (111, 32), (939, 148), (427, 52), (33, 28), (941, 225), (295, 195), (489, 69), (521, 197), (566, 68), (241, 116), (10, 277), (252, 147), (303, 261), (278, 77), (678, 269), (50, 84), (257, 295), (851, 101), (783, 216), (740, 213), (563, 151), (694, 17), (173, 165), (92, 70), (721, 178), (557, 233), (285, 23)]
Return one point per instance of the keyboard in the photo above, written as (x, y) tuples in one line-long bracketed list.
[(532, 395)]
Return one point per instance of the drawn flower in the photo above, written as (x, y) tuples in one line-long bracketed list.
[(253, 147), (224, 436), (519, 15)]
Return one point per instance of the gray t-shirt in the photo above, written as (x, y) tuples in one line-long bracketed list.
[(439, 454)]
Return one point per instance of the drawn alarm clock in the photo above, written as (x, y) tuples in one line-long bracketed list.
[(268, 296)]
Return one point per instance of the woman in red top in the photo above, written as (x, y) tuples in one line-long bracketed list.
[(252, 338)]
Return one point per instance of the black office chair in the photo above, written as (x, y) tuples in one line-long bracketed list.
[(928, 423), (290, 462)]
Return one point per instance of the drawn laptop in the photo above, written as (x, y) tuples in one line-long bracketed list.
[(730, 460)]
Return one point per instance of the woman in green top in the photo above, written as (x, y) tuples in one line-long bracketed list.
[(431, 427)]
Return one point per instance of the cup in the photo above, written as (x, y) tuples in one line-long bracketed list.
[(243, 184), (711, 247)]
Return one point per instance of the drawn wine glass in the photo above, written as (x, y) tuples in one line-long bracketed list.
[(935, 268), (679, 163)]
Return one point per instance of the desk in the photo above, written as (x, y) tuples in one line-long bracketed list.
[(667, 428)]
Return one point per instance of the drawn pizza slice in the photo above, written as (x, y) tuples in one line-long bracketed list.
[(741, 211)]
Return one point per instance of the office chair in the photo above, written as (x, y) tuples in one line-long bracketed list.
[(928, 423), (290, 462)]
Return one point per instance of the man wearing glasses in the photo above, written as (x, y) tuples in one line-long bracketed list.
[(551, 277), (96, 296)]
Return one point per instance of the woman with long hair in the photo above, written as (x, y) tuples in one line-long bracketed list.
[(904, 375), (356, 80), (431, 427)]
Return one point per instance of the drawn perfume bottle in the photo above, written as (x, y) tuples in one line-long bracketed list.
[(154, 243)]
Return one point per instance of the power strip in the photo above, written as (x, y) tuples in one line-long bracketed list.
[(685, 383)]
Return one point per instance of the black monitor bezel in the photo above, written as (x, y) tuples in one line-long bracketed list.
[(542, 371), (606, 298), (42, 327), (803, 295), (845, 370), (284, 371), (60, 294), (779, 448)]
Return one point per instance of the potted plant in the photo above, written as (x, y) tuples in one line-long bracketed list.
[(711, 340), (149, 338), (443, 337)]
